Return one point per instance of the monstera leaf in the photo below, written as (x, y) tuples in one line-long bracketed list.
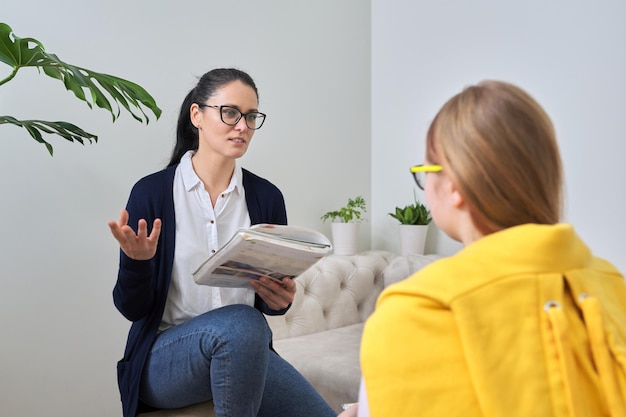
[(89, 86)]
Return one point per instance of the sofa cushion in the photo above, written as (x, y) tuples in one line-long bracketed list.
[(329, 360)]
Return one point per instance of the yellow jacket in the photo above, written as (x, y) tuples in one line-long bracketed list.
[(524, 322)]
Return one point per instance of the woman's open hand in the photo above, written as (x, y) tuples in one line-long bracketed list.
[(277, 295), (138, 246)]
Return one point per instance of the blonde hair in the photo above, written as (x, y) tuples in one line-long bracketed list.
[(499, 148)]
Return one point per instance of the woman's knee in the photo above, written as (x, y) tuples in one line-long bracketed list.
[(241, 324)]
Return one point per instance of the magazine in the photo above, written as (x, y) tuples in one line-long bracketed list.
[(271, 250)]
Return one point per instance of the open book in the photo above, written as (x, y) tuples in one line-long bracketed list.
[(271, 250)]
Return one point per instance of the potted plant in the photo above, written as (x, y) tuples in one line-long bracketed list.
[(90, 86), (414, 220), (345, 225)]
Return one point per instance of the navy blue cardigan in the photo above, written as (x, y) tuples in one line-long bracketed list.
[(141, 288)]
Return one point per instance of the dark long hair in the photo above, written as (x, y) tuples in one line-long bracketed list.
[(209, 83)]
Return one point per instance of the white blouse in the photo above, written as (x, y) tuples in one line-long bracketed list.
[(202, 229)]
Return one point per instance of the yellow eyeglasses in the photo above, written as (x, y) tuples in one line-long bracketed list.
[(418, 172)]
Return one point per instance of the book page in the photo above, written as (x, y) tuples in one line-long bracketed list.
[(252, 255), (298, 234)]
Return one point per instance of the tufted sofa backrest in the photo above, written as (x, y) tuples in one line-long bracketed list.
[(341, 290), (337, 291)]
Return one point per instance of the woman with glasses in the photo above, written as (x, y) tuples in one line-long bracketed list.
[(524, 320), (190, 343)]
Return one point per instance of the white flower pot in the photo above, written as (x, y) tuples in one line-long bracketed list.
[(412, 239), (345, 238)]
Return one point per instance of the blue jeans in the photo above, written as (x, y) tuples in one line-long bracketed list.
[(224, 355)]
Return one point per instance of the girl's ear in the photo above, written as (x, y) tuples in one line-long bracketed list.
[(456, 198)]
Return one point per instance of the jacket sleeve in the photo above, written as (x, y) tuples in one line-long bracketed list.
[(277, 215), (134, 291), (266, 204), (413, 362)]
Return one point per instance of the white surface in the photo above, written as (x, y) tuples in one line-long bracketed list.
[(567, 54), (62, 335)]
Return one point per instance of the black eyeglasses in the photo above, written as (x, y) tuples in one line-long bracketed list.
[(418, 172), (231, 116)]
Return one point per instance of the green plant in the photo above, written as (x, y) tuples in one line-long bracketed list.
[(28, 52), (349, 212), (416, 213)]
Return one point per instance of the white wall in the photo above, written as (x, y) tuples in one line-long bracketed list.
[(61, 335), (567, 54)]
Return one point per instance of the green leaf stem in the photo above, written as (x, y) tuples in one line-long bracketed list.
[(92, 87)]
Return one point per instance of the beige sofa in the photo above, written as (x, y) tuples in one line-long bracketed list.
[(321, 333)]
